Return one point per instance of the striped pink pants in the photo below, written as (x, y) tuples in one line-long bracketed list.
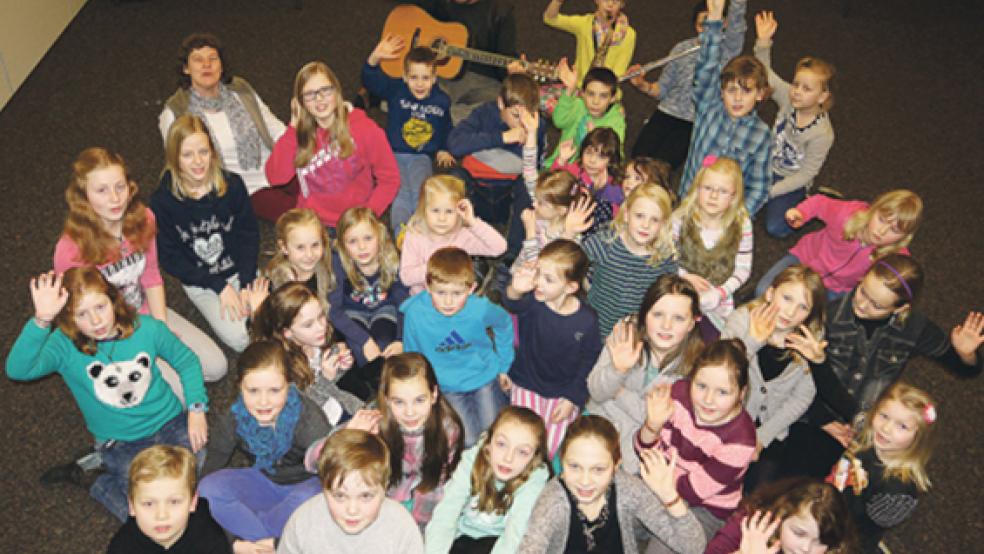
[(543, 407)]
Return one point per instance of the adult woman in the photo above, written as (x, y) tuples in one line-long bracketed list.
[(242, 126)]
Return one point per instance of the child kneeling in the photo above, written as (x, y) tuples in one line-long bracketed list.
[(354, 469)]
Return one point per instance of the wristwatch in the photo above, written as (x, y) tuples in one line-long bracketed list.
[(198, 407)]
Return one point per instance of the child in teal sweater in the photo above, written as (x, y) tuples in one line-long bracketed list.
[(596, 106), (107, 356), (490, 497)]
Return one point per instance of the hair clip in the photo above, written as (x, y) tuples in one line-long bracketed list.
[(709, 160), (929, 414)]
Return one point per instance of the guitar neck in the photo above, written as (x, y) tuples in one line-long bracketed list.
[(479, 56)]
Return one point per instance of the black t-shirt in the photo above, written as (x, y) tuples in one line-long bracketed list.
[(606, 535), (202, 536)]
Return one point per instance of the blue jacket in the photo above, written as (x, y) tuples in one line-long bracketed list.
[(412, 125), (459, 347)]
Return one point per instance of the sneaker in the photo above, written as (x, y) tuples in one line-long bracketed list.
[(71, 474)]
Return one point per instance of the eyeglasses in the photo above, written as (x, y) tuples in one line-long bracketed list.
[(322, 93), (711, 191)]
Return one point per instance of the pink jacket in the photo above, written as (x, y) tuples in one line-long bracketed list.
[(478, 240), (330, 185), (841, 263), (132, 274)]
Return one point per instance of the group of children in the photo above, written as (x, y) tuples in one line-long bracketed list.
[(388, 399)]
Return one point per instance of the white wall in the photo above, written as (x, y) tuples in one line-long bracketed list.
[(28, 28)]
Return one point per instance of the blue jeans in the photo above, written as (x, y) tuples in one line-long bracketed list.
[(249, 505), (775, 212), (414, 169), (477, 408), (110, 488), (766, 281)]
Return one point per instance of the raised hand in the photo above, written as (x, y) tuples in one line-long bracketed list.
[(466, 212), (580, 217), (524, 278), (255, 293), (756, 534), (530, 121), (387, 49), (566, 75), (528, 217), (657, 473), (365, 420), (624, 346), (762, 321), (566, 151), (49, 297), (765, 26), (794, 218), (393, 348), (968, 336), (659, 407), (807, 344), (445, 159)]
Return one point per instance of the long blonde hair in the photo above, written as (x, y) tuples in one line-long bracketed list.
[(815, 291), (662, 244), (435, 185), (904, 206), (279, 270), (690, 208), (389, 259), (910, 467), (182, 128), (307, 127)]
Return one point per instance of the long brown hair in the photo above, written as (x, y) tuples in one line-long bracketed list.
[(307, 127), (276, 315), (96, 245), (693, 344), (440, 454), (260, 355), (80, 281), (597, 427), (498, 501), (802, 495)]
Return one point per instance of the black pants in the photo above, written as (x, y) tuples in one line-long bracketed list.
[(467, 545), (664, 137)]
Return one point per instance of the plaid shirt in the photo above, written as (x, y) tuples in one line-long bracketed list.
[(747, 139)]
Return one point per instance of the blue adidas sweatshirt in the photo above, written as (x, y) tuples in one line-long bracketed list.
[(459, 347), (412, 125)]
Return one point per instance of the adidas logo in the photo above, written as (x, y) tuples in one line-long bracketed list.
[(452, 343)]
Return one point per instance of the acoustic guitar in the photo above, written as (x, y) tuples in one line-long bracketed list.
[(449, 41)]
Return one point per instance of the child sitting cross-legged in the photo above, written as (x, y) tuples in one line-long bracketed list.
[(468, 339), (353, 515), (165, 511)]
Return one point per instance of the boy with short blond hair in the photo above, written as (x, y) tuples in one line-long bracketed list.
[(726, 123), (166, 514), (418, 119), (467, 339), (353, 515)]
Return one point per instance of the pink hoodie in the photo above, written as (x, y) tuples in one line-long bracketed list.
[(330, 185), (841, 263)]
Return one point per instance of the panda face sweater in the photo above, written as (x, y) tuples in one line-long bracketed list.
[(119, 390)]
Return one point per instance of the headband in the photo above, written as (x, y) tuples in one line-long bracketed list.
[(885, 264)]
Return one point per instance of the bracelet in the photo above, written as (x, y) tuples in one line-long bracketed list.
[(669, 505)]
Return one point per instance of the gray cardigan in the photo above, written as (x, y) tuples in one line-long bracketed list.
[(549, 525), (621, 398), (783, 400)]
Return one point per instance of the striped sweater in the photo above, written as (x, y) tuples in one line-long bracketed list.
[(619, 278), (712, 460)]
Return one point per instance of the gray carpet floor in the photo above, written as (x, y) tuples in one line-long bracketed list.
[(908, 113)]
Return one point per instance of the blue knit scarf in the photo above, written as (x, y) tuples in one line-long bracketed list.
[(268, 444)]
